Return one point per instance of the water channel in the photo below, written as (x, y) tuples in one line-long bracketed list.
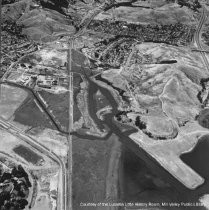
[(185, 194)]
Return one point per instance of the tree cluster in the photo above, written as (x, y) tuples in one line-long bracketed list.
[(14, 189)]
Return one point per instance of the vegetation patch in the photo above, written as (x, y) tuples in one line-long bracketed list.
[(58, 104), (29, 114), (28, 155)]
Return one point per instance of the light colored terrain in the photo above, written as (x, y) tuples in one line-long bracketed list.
[(52, 140), (10, 99), (167, 14), (44, 172), (167, 153), (168, 93)]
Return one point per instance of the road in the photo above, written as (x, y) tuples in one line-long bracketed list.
[(70, 111), (66, 193), (41, 148), (197, 37), (84, 24), (39, 101), (87, 20)]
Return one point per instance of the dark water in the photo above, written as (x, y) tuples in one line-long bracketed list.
[(168, 61), (198, 159)]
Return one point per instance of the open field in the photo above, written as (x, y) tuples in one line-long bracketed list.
[(165, 14), (10, 99), (45, 25), (10, 143), (27, 154), (46, 57), (43, 203), (30, 114), (51, 139), (39, 24), (58, 106), (90, 170)]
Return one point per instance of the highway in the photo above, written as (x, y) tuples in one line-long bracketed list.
[(84, 25), (66, 193), (197, 37), (87, 20), (70, 112), (39, 101), (8, 127), (66, 169)]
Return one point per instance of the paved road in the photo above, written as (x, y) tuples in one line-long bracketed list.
[(41, 148), (39, 101), (85, 24), (66, 203), (197, 37), (70, 111), (83, 28)]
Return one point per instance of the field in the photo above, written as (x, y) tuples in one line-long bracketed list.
[(12, 145), (51, 139), (11, 99), (27, 154), (45, 25), (164, 14), (30, 114), (46, 57), (39, 24), (90, 170), (58, 104)]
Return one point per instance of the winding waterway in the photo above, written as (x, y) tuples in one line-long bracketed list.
[(185, 194)]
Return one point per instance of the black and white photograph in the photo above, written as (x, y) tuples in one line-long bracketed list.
[(104, 105)]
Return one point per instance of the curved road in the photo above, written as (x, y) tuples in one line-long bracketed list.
[(32, 142), (197, 37)]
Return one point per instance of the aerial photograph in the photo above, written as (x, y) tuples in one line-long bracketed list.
[(104, 105)]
